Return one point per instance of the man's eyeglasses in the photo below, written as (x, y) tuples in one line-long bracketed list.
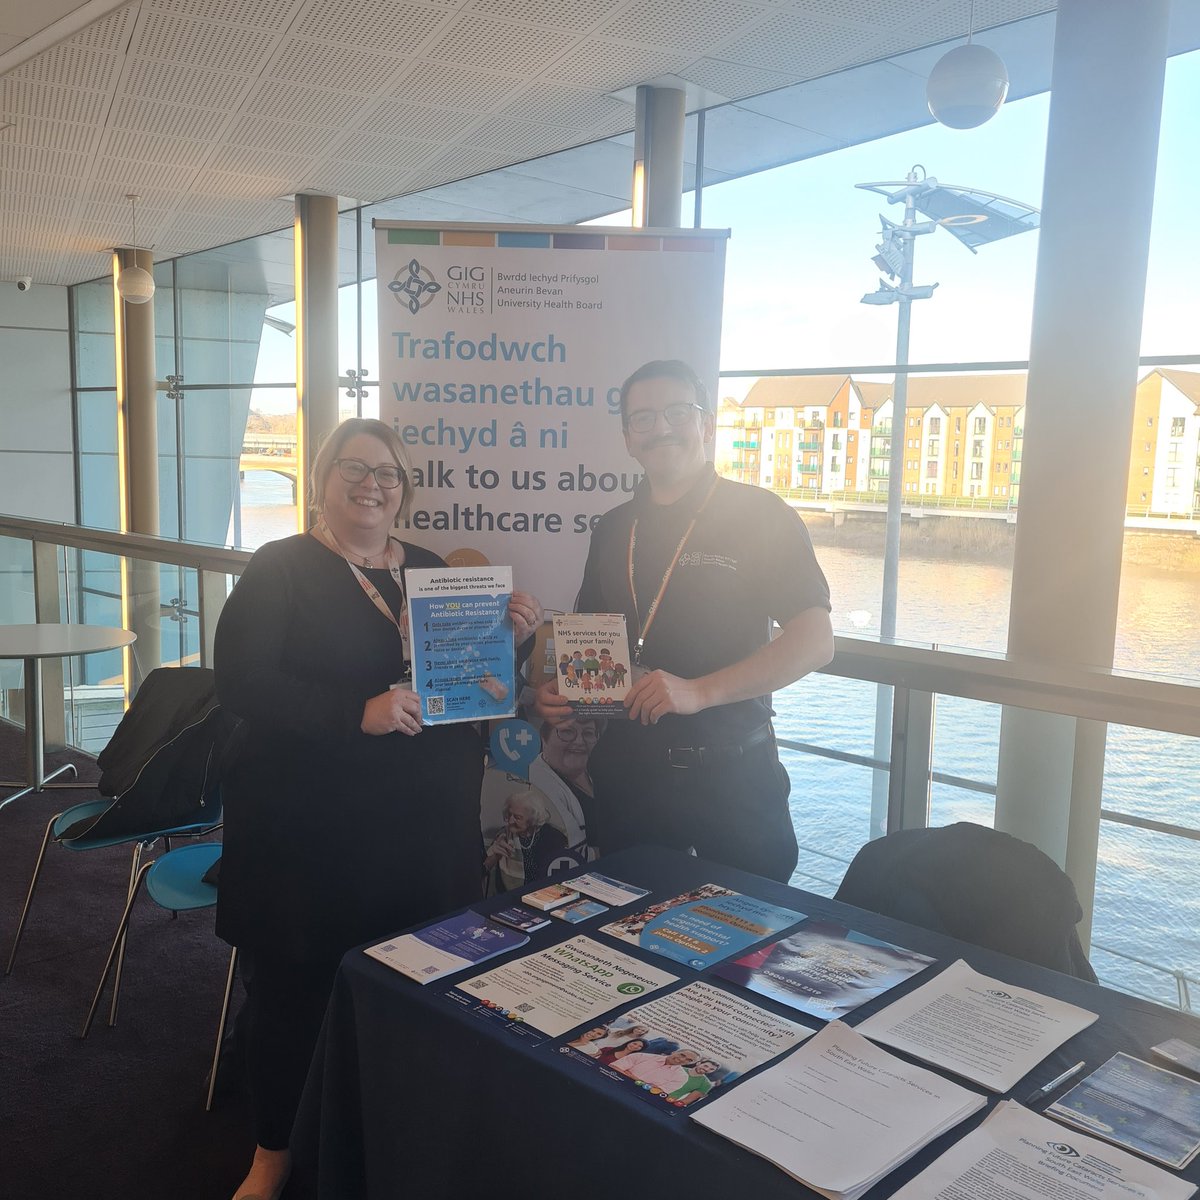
[(354, 470), (645, 419)]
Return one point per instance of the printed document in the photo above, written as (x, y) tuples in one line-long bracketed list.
[(1018, 1155), (445, 946), (687, 1047), (987, 1031), (839, 1113), (1139, 1106), (563, 986), (462, 643)]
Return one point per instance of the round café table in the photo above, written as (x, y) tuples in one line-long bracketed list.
[(32, 643)]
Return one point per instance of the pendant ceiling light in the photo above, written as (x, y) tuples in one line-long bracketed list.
[(967, 85), (135, 284)]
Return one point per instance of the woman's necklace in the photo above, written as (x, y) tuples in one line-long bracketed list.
[(363, 560), (370, 562), (392, 560)]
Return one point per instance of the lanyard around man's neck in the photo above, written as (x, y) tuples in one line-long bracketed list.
[(644, 630)]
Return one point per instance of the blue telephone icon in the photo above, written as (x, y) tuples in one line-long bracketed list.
[(515, 744)]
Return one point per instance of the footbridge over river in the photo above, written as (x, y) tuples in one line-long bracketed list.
[(270, 452)]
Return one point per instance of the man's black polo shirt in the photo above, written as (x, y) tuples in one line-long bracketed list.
[(748, 560)]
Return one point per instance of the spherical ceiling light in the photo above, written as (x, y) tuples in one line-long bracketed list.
[(136, 285), (967, 86)]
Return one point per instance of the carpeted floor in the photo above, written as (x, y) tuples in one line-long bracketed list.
[(120, 1115)]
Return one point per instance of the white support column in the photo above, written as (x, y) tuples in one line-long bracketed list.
[(1101, 156), (316, 265), (137, 418), (48, 608), (658, 157)]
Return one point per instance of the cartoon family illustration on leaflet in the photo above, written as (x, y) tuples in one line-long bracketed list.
[(592, 671)]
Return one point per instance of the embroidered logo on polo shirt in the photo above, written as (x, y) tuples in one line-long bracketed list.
[(694, 558)]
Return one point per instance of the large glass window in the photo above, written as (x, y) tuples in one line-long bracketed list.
[(799, 263)]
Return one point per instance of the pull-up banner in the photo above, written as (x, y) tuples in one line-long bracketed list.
[(502, 352)]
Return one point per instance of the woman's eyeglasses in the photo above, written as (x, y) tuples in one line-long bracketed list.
[(645, 419), (572, 733), (354, 470)]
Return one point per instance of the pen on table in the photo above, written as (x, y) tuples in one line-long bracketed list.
[(1056, 1082)]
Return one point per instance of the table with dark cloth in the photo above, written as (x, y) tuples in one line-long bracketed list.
[(413, 1095)]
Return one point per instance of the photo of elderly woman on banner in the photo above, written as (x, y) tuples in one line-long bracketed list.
[(537, 829)]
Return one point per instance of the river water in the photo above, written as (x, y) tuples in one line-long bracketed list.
[(1148, 885)]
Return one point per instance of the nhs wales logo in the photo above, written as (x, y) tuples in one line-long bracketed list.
[(414, 286)]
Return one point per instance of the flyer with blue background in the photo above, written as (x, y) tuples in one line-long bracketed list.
[(702, 926), (462, 643)]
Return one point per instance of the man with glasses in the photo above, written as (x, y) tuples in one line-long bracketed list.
[(701, 567)]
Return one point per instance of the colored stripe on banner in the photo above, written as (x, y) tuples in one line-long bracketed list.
[(692, 244), (616, 242), (535, 241), (579, 241), (467, 237), (413, 237)]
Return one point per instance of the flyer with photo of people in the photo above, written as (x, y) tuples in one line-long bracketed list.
[(686, 1047)]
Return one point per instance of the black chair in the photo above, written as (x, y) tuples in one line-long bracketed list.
[(160, 772), (977, 885)]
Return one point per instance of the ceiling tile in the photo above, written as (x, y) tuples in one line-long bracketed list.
[(341, 68), (181, 84), (436, 85), (476, 41), (402, 27), (571, 107), (170, 38), (152, 117), (607, 66), (681, 24), (262, 14), (306, 105)]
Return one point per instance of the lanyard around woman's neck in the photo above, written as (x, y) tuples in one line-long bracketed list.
[(652, 611), (391, 560)]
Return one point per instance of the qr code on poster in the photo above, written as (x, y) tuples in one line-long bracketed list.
[(436, 706)]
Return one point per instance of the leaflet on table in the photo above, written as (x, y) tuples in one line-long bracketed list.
[(1181, 1055), (445, 946), (516, 917), (1144, 1108), (592, 659), (563, 986), (607, 890), (685, 1047), (580, 910), (991, 1032), (1018, 1155), (823, 968), (552, 896), (839, 1113), (462, 643), (702, 926)]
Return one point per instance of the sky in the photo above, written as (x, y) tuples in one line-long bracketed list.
[(802, 238)]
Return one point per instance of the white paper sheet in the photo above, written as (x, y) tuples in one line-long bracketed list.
[(1018, 1155), (987, 1031), (839, 1113)]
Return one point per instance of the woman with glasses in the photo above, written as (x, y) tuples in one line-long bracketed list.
[(345, 819)]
